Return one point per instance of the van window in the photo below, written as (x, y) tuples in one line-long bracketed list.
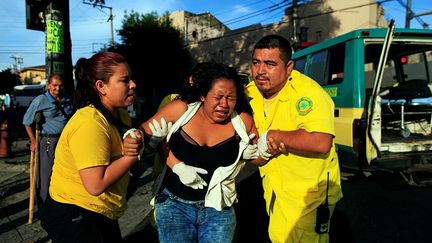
[(300, 65), (336, 61), (388, 76), (318, 67), (327, 67), (414, 65), (372, 56), (429, 64)]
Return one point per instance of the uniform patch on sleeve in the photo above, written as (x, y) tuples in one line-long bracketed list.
[(304, 106)]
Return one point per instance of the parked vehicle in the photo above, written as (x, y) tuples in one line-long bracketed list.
[(381, 87), (23, 94)]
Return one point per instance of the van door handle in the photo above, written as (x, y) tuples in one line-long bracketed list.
[(336, 113)]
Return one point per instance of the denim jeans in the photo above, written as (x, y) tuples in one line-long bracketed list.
[(183, 221)]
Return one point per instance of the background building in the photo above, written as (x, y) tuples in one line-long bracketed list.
[(313, 22), (198, 27), (33, 75)]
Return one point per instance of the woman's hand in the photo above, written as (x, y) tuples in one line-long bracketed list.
[(159, 131), (133, 143), (251, 150)]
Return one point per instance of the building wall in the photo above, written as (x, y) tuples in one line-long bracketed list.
[(331, 18), (32, 75), (198, 26), (322, 20), (235, 48)]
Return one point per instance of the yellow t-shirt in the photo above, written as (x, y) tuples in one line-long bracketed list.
[(299, 180), (88, 140)]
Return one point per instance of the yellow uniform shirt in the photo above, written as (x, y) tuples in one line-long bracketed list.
[(297, 182), (88, 140)]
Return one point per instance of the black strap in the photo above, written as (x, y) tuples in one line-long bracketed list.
[(60, 107)]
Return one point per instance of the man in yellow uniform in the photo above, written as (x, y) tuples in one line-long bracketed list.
[(295, 120)]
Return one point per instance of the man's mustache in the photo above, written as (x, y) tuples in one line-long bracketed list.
[(261, 77)]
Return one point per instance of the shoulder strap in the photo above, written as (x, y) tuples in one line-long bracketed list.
[(239, 126), (190, 112), (60, 107)]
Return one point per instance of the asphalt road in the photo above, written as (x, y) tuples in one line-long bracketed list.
[(382, 208), (379, 208)]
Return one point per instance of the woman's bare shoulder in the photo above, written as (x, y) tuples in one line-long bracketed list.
[(247, 120), (172, 111)]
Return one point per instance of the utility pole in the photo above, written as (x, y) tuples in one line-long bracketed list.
[(294, 38), (110, 18), (17, 62), (58, 42), (408, 15), (52, 16)]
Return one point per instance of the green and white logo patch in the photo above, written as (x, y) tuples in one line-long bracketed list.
[(304, 106)]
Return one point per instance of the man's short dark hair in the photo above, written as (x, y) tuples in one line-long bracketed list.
[(54, 76), (276, 41)]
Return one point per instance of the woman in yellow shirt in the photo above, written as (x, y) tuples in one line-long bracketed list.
[(87, 193)]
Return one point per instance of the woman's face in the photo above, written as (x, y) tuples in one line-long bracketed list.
[(120, 89), (220, 101)]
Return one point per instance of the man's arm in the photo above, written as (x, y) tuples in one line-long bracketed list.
[(31, 136), (300, 142)]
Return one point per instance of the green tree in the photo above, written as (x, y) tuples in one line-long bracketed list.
[(156, 54), (8, 80)]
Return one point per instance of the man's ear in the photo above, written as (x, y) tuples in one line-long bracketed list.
[(290, 66), (100, 87)]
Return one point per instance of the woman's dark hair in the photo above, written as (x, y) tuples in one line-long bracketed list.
[(88, 71), (276, 41), (204, 76)]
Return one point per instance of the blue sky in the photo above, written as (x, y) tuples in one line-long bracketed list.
[(90, 29)]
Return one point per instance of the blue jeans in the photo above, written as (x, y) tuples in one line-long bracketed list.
[(183, 221)]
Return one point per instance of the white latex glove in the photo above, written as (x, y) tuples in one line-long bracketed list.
[(189, 175), (251, 150), (262, 147), (131, 132), (159, 131)]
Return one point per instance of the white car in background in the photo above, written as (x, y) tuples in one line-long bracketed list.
[(23, 95)]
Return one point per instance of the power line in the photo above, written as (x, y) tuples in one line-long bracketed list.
[(343, 9), (233, 33), (410, 15), (268, 9), (259, 12), (237, 8)]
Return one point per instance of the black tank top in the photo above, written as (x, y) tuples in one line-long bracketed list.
[(209, 158)]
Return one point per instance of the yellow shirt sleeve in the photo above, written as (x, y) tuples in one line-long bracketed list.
[(315, 112)]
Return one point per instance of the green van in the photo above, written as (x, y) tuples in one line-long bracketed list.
[(380, 82)]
